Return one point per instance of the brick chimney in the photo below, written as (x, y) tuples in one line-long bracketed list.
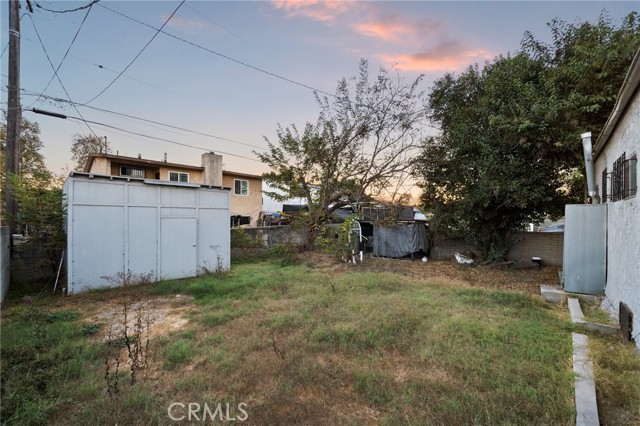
[(212, 164)]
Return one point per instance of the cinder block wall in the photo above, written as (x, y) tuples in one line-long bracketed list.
[(273, 235), (546, 245), (5, 250)]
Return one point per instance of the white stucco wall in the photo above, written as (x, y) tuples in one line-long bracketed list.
[(623, 221)]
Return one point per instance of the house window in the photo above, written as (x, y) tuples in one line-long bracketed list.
[(178, 177), (624, 178), (134, 172), (630, 176), (241, 187)]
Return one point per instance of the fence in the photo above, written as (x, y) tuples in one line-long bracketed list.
[(546, 245)]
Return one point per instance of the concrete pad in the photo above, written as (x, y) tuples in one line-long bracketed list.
[(575, 310), (586, 404), (552, 294), (602, 328), (577, 317)]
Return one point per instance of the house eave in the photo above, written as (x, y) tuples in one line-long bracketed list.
[(146, 181), (627, 92)]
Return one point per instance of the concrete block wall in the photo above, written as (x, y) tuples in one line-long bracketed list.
[(546, 245), (5, 253), (273, 235)]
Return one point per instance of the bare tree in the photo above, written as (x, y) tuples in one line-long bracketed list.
[(365, 138), (84, 146)]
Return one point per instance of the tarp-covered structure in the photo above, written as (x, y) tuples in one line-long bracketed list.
[(401, 240)]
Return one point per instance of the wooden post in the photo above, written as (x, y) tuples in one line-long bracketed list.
[(13, 113)]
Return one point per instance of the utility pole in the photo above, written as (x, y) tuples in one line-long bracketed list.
[(13, 113)]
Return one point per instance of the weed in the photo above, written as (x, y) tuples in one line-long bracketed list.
[(131, 331), (178, 352), (278, 350), (90, 329), (62, 316)]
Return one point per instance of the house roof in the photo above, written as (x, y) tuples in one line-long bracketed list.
[(146, 162), (245, 175), (136, 161), (627, 91)]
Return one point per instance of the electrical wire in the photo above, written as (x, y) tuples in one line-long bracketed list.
[(66, 53), (220, 54), (102, 67), (196, 45), (222, 28), (57, 76), (171, 126), (7, 45), (162, 139), (67, 10), (158, 31)]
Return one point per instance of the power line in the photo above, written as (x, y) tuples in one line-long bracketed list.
[(66, 53), (7, 45), (57, 115), (238, 61), (138, 55), (220, 54), (164, 140), (221, 27), (67, 10), (57, 76), (148, 121), (102, 67)]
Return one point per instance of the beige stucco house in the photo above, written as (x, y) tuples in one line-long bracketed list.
[(246, 189)]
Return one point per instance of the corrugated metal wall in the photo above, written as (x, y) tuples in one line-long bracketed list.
[(118, 225)]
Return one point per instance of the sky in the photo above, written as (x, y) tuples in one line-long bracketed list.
[(231, 71)]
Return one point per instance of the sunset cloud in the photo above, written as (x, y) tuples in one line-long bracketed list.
[(449, 55), (323, 11), (390, 28)]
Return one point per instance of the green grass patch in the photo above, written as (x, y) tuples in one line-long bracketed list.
[(300, 344), (177, 353)]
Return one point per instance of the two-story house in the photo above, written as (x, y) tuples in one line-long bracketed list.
[(246, 189)]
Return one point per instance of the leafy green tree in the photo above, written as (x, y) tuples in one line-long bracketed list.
[(363, 139), (510, 150), (38, 194), (31, 159), (493, 168), (587, 63), (84, 146), (41, 213)]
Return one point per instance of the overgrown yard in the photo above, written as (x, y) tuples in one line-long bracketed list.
[(311, 342)]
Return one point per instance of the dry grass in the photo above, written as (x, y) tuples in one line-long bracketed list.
[(325, 343)]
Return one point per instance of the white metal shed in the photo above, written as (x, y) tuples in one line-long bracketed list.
[(119, 224)]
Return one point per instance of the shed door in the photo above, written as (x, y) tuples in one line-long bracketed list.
[(178, 244)]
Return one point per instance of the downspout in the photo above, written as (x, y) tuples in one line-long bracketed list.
[(588, 165)]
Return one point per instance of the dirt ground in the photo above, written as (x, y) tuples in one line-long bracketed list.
[(526, 281)]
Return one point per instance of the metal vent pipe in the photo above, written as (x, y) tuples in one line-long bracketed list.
[(588, 165)]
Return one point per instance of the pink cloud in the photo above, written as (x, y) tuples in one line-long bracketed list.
[(318, 10), (392, 29), (446, 56)]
